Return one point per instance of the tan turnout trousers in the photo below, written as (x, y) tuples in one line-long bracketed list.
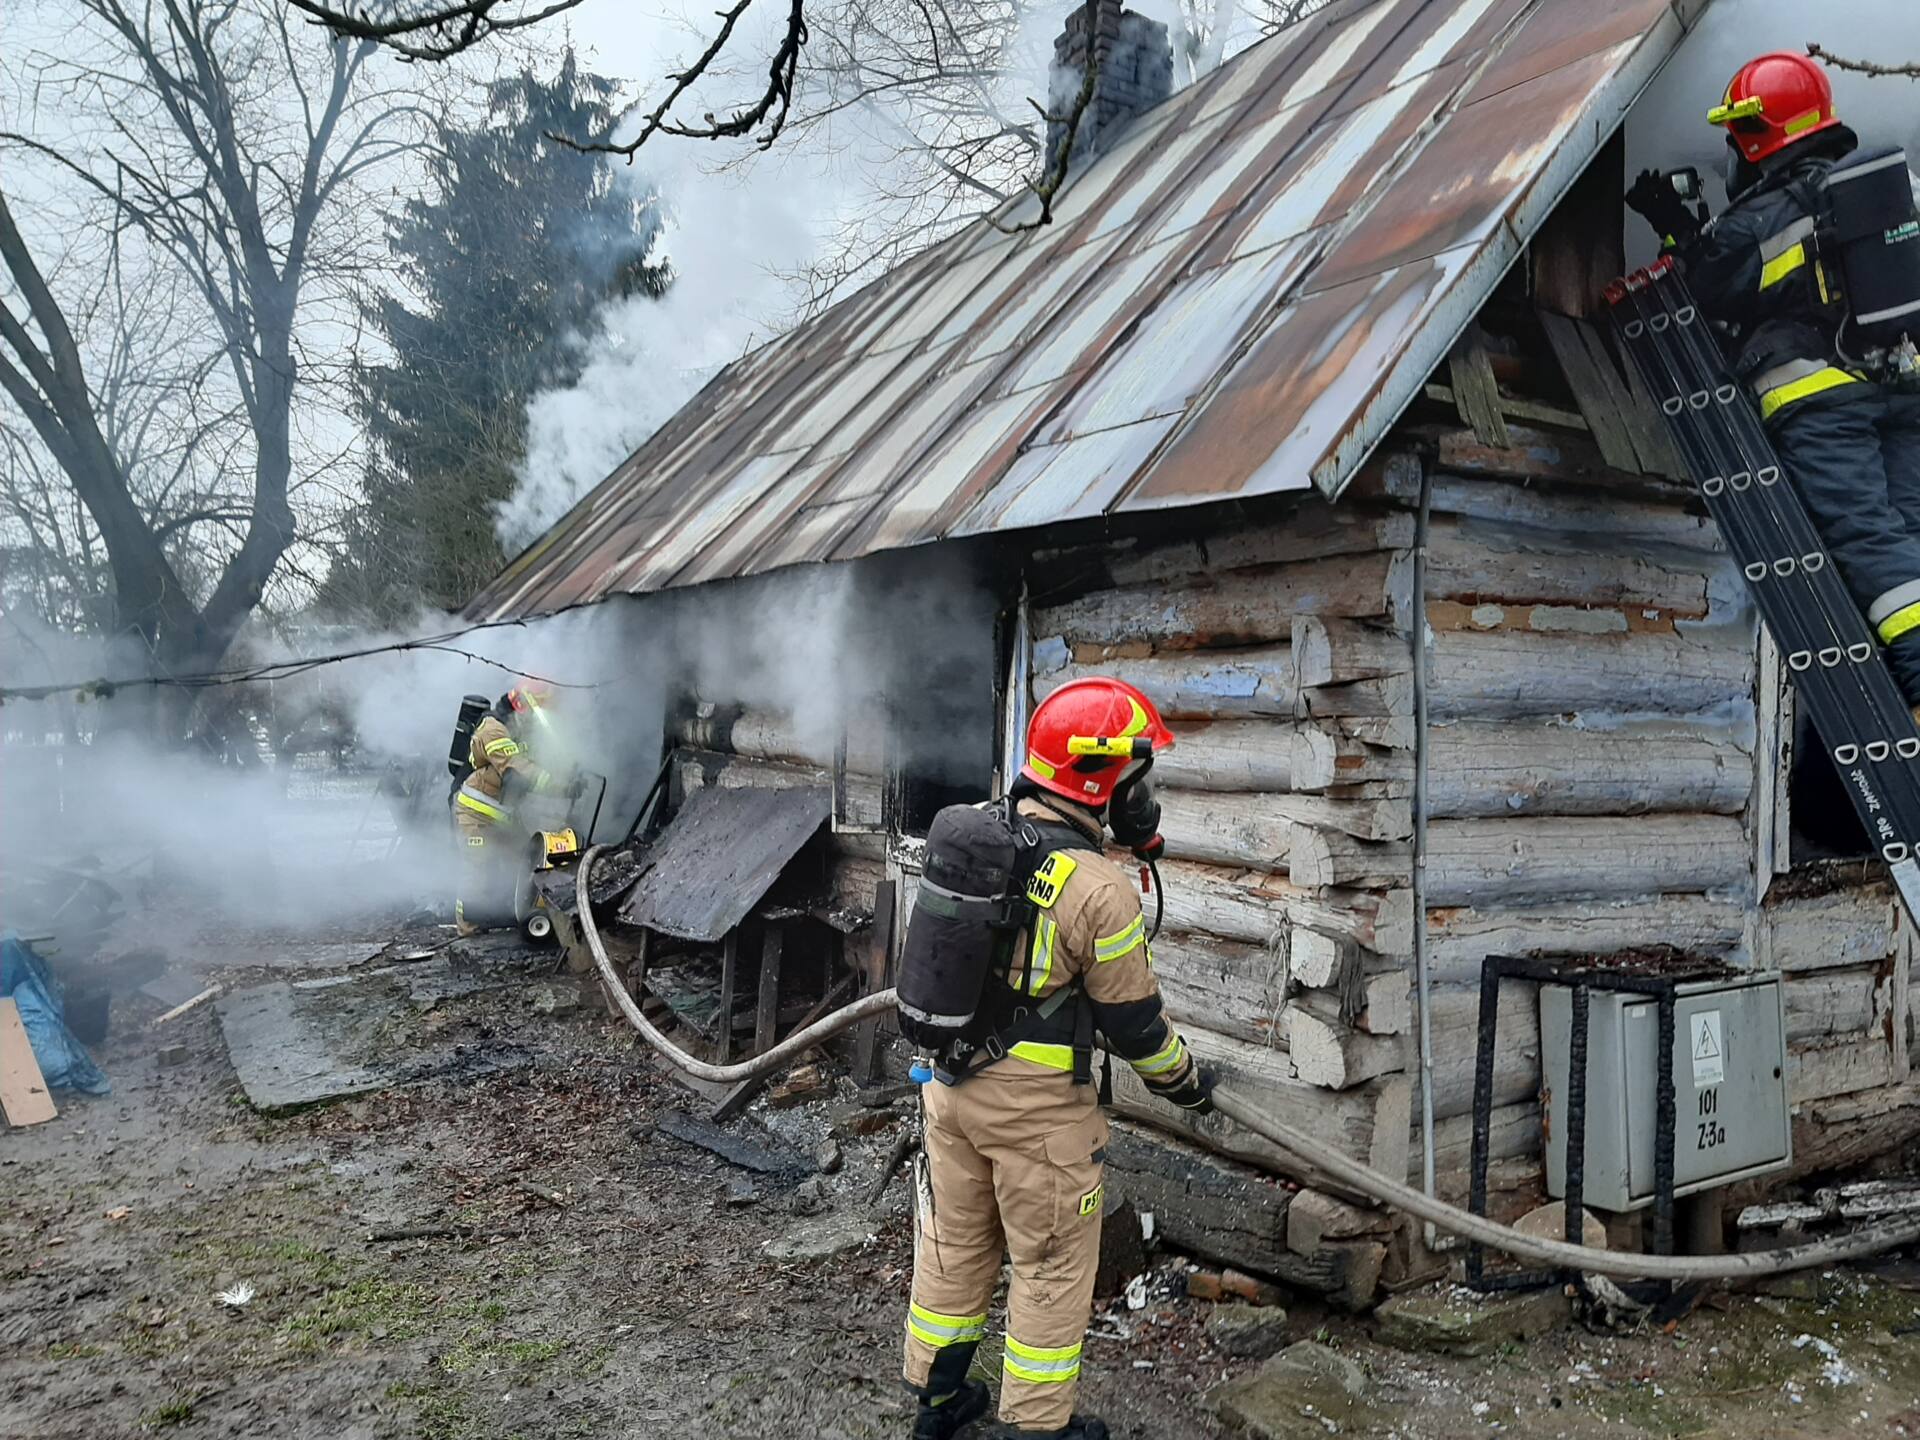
[(1013, 1163)]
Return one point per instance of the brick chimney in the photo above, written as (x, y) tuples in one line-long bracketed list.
[(1135, 62)]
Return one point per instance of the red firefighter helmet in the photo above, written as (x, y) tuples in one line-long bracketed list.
[(1089, 735), (530, 695), (1773, 102)]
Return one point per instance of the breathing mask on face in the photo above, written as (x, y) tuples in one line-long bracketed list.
[(1134, 814), (1737, 173)]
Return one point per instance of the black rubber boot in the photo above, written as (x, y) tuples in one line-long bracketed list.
[(1081, 1427), (955, 1413)]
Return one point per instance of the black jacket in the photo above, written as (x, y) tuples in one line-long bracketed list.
[(1756, 270)]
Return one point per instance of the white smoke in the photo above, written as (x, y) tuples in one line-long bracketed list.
[(737, 227), (1667, 128)]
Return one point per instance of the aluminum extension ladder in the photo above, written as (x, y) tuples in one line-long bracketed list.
[(1832, 656)]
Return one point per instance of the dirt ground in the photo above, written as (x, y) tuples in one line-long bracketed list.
[(604, 1284)]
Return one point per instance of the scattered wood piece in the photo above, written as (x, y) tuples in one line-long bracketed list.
[(1231, 1284), (1475, 391), (895, 1156), (542, 1194), (211, 992), (23, 1089)]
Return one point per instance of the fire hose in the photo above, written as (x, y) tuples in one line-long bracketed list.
[(1560, 1254)]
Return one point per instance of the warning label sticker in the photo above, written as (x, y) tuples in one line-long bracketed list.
[(1709, 1048)]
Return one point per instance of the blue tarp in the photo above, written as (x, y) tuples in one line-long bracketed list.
[(64, 1062)]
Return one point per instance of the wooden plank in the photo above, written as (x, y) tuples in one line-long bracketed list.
[(1454, 1023), (1195, 685), (1528, 860), (729, 979), (1234, 607), (767, 1011), (879, 956), (1482, 769), (1659, 455), (1580, 247), (1537, 412), (1475, 389), (1507, 674), (24, 1096), (1601, 393), (1627, 521)]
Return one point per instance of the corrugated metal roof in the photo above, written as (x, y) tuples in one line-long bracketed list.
[(1238, 298)]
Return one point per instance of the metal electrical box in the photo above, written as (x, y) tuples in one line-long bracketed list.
[(1729, 1077)]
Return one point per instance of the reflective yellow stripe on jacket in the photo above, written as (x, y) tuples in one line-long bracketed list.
[(1797, 380), (1126, 942), (1045, 934), (1782, 254), (1897, 612), (1166, 1058), (502, 748), (1054, 1057)]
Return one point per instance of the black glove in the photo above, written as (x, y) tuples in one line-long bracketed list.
[(1193, 1094), (576, 787), (1653, 197)]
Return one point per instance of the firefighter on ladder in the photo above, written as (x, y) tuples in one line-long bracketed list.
[(504, 770), (1850, 445), (1014, 1157)]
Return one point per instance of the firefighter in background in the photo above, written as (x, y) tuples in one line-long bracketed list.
[(504, 770), (1848, 436), (1013, 1156)]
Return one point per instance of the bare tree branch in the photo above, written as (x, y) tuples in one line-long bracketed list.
[(1863, 67), (449, 29)]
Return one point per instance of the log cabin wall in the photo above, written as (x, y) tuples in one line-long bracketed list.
[(1606, 747)]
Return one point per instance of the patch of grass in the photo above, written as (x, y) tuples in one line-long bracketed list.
[(356, 1309), (176, 1411), (441, 1413), (477, 1350), (73, 1350)]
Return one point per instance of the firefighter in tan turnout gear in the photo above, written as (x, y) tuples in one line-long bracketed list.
[(504, 769), (1015, 1139)]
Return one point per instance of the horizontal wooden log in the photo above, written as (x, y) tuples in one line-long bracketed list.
[(1454, 1024), (1234, 607), (1514, 1132), (1506, 674), (1313, 531), (1254, 829), (1328, 651), (1229, 756), (1629, 521), (1387, 696), (1230, 986), (1368, 1123), (1198, 685), (1206, 1205), (1528, 860), (1815, 1072), (1843, 1133), (1478, 564), (763, 733), (1242, 905), (1318, 857), (1328, 1052), (1856, 926), (1832, 1004), (1477, 768), (1458, 939)]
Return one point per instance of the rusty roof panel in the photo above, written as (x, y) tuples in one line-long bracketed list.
[(1240, 296)]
